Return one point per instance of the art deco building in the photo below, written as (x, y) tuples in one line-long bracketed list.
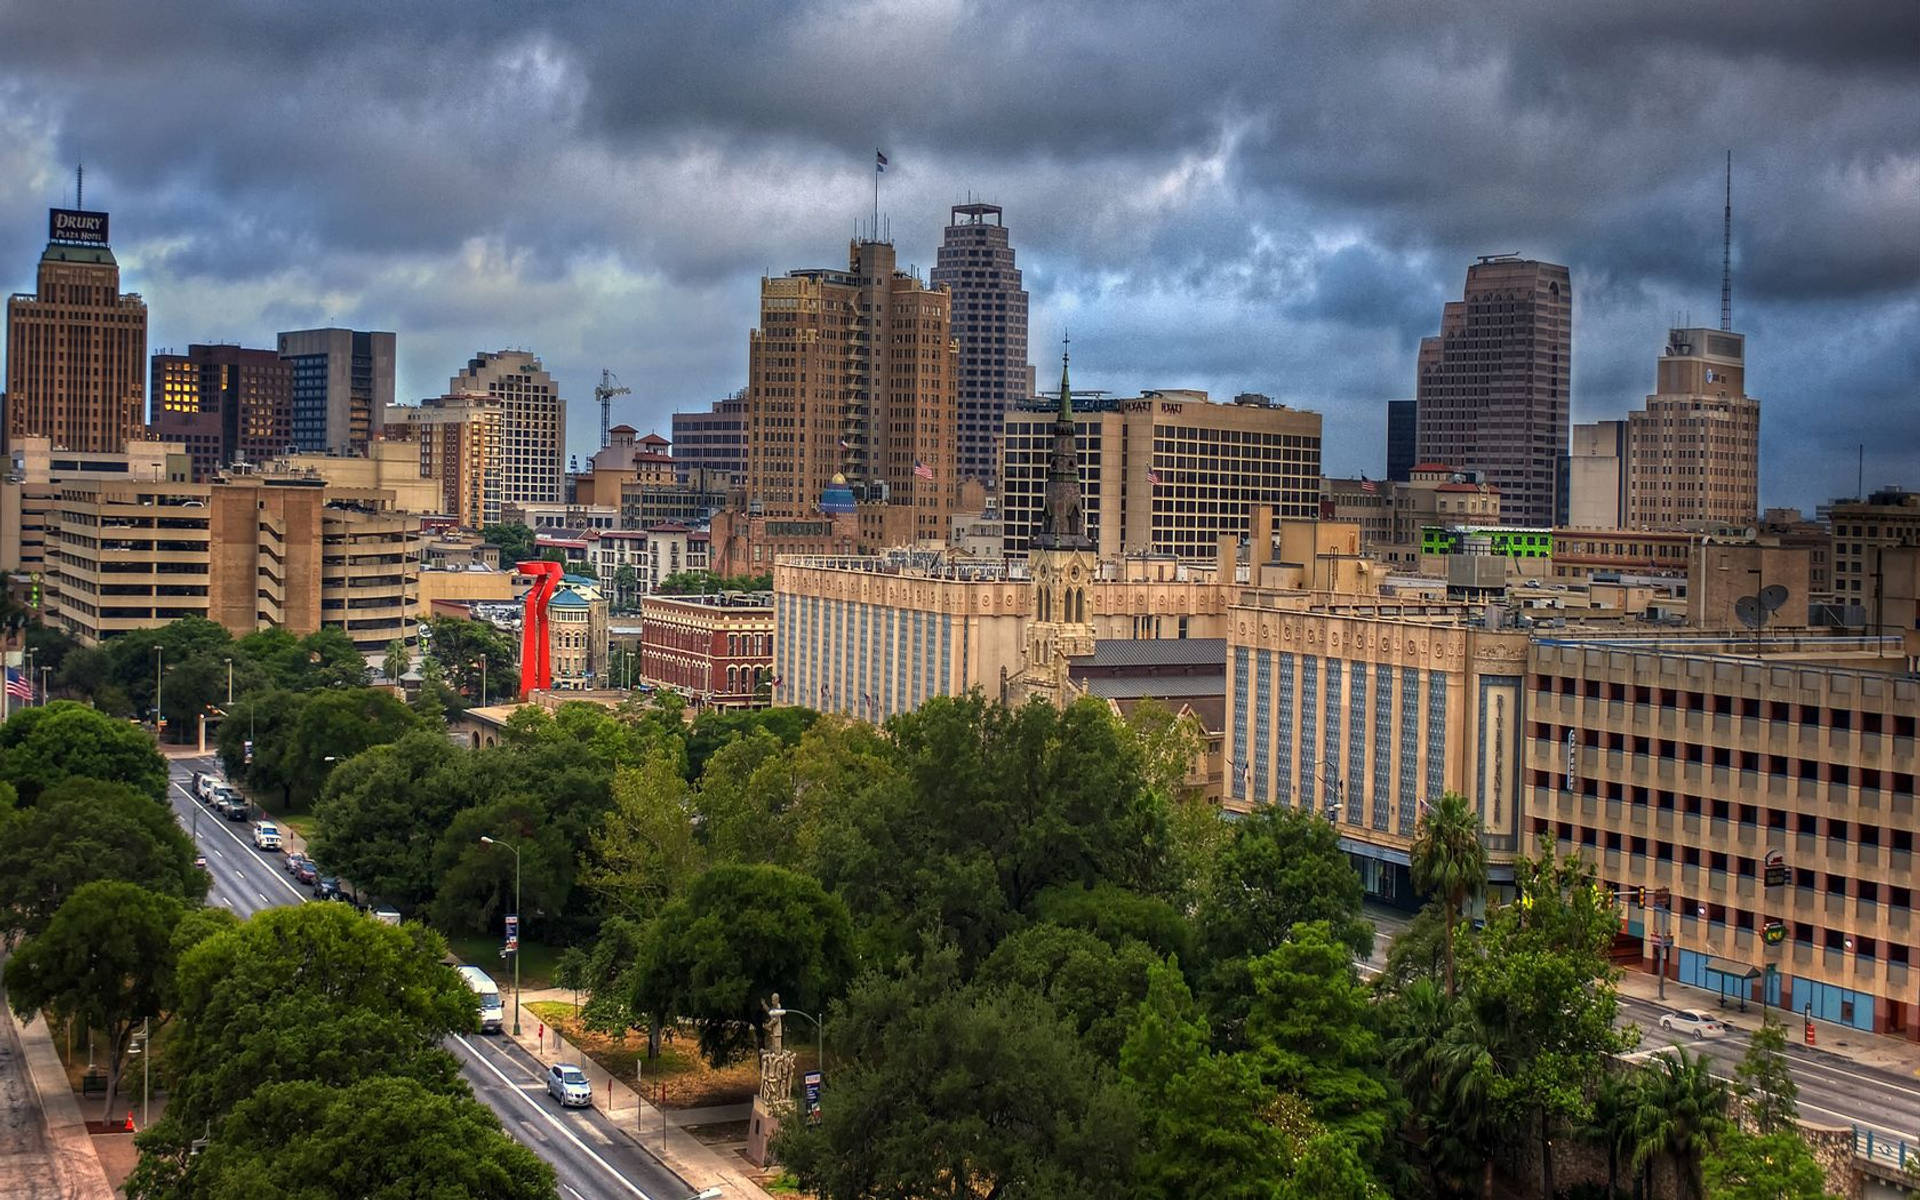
[(1166, 472), (342, 386), (851, 377), (976, 264), (1493, 385), (224, 403), (76, 345), (1693, 454)]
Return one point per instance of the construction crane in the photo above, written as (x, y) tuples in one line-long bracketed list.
[(608, 389)]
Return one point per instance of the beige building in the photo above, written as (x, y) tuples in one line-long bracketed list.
[(1166, 472), (29, 494), (342, 387), (1493, 386), (1596, 479), (627, 460), (385, 467), (261, 551), (76, 345), (1745, 584), (1862, 531), (577, 636), (533, 423), (1684, 765), (1391, 515), (461, 443), (852, 376), (452, 588), (1693, 454)]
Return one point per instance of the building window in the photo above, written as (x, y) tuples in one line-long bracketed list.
[(1283, 723), (1382, 743), (1309, 729)]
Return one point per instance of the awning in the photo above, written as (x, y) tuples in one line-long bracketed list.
[(1732, 970)]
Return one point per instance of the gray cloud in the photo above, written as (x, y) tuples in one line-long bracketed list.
[(1267, 197)]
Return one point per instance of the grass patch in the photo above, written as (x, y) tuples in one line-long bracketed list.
[(537, 960), (690, 1081)]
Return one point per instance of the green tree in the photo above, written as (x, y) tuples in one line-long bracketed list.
[(1207, 1132), (1117, 916), (313, 992), (398, 662), (1450, 861), (739, 935), (1610, 1120), (716, 728), (474, 889), (1093, 985), (515, 542), (645, 851), (1774, 1166), (473, 654), (1284, 867), (699, 583), (1439, 1057), (374, 1137), (1683, 1113), (83, 830), (105, 961), (41, 746), (951, 1093), (1765, 1082), (626, 588), (1310, 1032), (266, 720), (133, 659), (381, 815), (332, 728)]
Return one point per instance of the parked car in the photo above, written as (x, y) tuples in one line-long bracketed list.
[(199, 862), (203, 785), (292, 861), (567, 1083), (327, 887), (386, 916), (1694, 1021), (230, 804), (266, 836), (308, 872)]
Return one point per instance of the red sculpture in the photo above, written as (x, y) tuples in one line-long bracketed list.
[(536, 662)]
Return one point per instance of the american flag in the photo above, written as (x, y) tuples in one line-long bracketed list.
[(879, 162), (777, 680), (19, 686), (922, 471), (1153, 477), (1368, 485), (845, 444)]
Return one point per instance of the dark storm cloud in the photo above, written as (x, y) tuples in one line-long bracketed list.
[(1272, 197)]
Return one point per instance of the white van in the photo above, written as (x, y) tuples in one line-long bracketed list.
[(266, 836), (488, 996)]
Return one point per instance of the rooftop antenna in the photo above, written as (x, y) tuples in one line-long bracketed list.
[(80, 186), (1726, 254)]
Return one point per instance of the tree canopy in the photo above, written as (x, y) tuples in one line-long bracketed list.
[(41, 746), (83, 830)]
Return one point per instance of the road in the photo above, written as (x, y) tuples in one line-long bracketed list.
[(26, 1160), (590, 1157)]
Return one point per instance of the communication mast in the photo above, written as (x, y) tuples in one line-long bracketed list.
[(608, 389)]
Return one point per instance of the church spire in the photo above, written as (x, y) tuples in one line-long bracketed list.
[(1063, 523)]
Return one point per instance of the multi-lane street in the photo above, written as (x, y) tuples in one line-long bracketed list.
[(590, 1157)]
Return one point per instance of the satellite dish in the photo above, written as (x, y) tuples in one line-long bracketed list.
[(1772, 597), (1747, 608)]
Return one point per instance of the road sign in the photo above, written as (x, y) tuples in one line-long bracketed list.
[(1775, 932), (812, 1081), (1775, 869), (1663, 898), (513, 944), (513, 925)]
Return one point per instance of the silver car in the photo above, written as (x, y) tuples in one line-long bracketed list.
[(568, 1084), (1692, 1020)]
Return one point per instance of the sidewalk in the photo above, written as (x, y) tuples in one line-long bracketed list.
[(76, 1165), (699, 1164), (1883, 1051)]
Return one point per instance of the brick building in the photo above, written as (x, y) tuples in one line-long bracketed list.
[(715, 650)]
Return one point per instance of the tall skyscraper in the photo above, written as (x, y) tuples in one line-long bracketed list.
[(342, 385), (1693, 454), (1493, 385), (990, 323), (462, 445), (77, 346), (533, 423), (223, 403), (850, 386), (1403, 439)]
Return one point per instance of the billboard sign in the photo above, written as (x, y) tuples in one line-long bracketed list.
[(1775, 869), (1573, 760), (77, 225), (812, 1081)]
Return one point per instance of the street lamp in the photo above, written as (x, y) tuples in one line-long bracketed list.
[(229, 683), (45, 683), (159, 713), (29, 656), (818, 1026), (487, 841)]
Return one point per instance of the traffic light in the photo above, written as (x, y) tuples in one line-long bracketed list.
[(1643, 897)]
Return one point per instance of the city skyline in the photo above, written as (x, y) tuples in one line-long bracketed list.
[(1291, 232)]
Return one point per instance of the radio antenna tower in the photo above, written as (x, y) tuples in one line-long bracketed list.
[(608, 389), (80, 185), (1726, 254)]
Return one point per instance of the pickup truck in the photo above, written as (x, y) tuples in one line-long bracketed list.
[(266, 836), (230, 804)]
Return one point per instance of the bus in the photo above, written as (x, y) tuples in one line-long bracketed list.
[(488, 995)]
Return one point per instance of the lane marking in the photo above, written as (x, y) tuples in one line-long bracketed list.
[(222, 827), (574, 1190), (549, 1118)]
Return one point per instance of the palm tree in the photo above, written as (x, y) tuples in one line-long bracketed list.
[(1682, 1112), (1610, 1121), (1450, 860), (1441, 1059)]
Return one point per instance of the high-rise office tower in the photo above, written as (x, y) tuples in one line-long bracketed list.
[(342, 385), (1693, 454), (990, 323), (76, 346), (223, 403), (533, 423), (850, 386), (1403, 439), (462, 444), (711, 446), (1493, 385)]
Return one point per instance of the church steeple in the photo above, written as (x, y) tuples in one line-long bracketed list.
[(1063, 524)]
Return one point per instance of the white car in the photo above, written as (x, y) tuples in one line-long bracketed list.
[(266, 836), (568, 1084), (1694, 1021)]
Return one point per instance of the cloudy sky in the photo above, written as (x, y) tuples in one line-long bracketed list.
[(1256, 197)]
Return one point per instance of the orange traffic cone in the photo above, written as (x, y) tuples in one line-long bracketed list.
[(129, 1120)]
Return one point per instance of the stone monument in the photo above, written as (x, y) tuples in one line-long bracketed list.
[(775, 1097)]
